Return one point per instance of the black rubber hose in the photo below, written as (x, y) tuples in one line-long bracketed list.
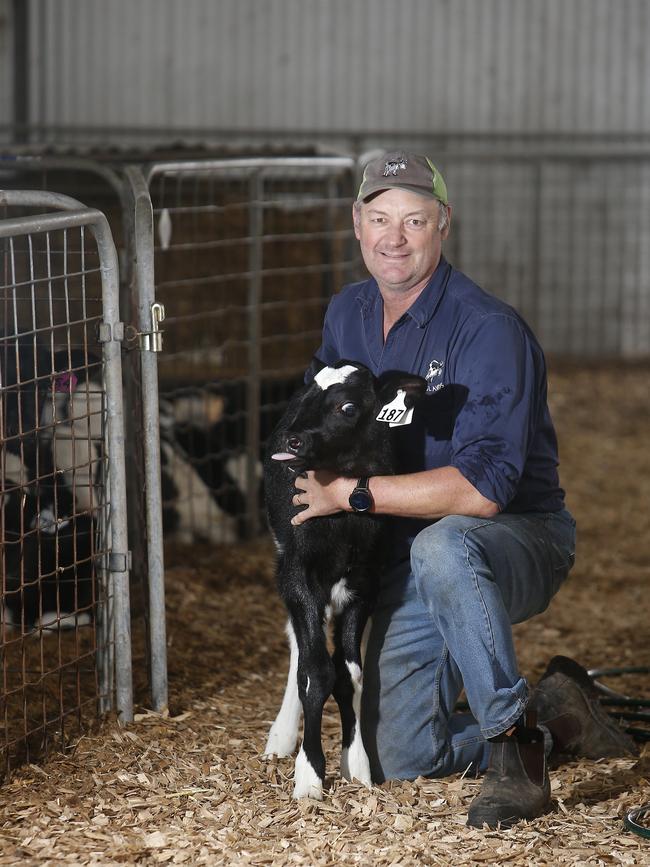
[(632, 823)]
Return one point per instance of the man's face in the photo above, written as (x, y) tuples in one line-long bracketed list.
[(399, 238)]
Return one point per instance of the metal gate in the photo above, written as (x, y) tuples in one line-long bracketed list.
[(247, 254), (66, 640)]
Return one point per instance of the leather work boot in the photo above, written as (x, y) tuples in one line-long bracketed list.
[(566, 702), (516, 784)]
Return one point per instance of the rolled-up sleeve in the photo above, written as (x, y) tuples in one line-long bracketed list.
[(503, 373)]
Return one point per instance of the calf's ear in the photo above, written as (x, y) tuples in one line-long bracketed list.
[(393, 381)]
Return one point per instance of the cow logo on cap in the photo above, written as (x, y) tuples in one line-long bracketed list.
[(392, 167)]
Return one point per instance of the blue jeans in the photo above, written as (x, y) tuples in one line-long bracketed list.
[(443, 622)]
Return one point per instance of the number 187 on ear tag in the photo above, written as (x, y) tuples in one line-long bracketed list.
[(395, 413)]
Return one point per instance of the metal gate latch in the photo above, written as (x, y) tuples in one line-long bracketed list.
[(151, 341)]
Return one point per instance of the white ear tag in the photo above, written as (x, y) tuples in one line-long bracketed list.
[(395, 412)]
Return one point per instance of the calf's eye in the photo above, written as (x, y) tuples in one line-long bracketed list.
[(348, 409)]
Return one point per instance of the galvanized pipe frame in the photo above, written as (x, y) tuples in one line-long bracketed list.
[(256, 263), (72, 214), (245, 164), (144, 288)]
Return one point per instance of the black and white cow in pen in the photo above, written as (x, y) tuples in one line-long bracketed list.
[(48, 529), (329, 566), (72, 424), (49, 553), (206, 427), (191, 511)]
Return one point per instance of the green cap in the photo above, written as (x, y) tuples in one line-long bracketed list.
[(403, 171)]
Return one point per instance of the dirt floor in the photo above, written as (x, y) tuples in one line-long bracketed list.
[(191, 787)]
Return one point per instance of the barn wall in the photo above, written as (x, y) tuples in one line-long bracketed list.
[(350, 65), (6, 63)]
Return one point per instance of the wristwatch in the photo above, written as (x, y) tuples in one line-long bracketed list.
[(361, 498)]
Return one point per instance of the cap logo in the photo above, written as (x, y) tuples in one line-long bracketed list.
[(392, 167)]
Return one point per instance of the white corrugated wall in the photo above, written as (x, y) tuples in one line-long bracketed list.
[(348, 65), (6, 63)]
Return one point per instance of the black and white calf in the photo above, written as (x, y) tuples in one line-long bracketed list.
[(72, 424), (48, 532), (329, 566), (206, 427), (191, 513), (50, 549)]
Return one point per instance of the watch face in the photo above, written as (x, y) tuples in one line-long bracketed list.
[(360, 501)]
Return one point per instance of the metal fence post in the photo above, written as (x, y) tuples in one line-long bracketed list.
[(536, 252), (144, 285), (256, 263), (120, 557)]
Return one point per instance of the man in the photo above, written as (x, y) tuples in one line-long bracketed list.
[(481, 537)]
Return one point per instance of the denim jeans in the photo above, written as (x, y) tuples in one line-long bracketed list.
[(443, 622)]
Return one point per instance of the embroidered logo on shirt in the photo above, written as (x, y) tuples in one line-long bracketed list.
[(393, 166), (435, 369)]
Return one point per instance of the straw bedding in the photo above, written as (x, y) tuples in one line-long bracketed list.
[(190, 787)]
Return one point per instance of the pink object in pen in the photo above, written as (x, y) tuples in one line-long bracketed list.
[(66, 382)]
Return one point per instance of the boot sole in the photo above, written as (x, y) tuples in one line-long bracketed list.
[(510, 821)]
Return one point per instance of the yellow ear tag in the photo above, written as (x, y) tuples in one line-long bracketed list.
[(395, 413)]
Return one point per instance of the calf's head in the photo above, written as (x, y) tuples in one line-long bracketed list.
[(334, 425)]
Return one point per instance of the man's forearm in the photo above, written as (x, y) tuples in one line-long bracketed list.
[(430, 494)]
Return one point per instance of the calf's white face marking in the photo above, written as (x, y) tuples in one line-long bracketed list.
[(333, 375)]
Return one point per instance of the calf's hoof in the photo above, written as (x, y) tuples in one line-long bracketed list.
[(307, 783), (355, 765), (279, 743)]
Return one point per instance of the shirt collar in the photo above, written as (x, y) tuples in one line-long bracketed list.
[(424, 306)]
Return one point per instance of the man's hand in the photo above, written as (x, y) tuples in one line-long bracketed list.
[(323, 493)]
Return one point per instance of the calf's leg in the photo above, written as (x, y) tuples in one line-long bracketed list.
[(283, 735), (315, 683), (348, 687)]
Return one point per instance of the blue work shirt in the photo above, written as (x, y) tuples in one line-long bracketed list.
[(486, 409)]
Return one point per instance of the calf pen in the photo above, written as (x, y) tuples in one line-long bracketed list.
[(65, 599), (243, 317)]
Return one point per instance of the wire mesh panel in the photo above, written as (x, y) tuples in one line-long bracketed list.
[(59, 528), (247, 254)]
